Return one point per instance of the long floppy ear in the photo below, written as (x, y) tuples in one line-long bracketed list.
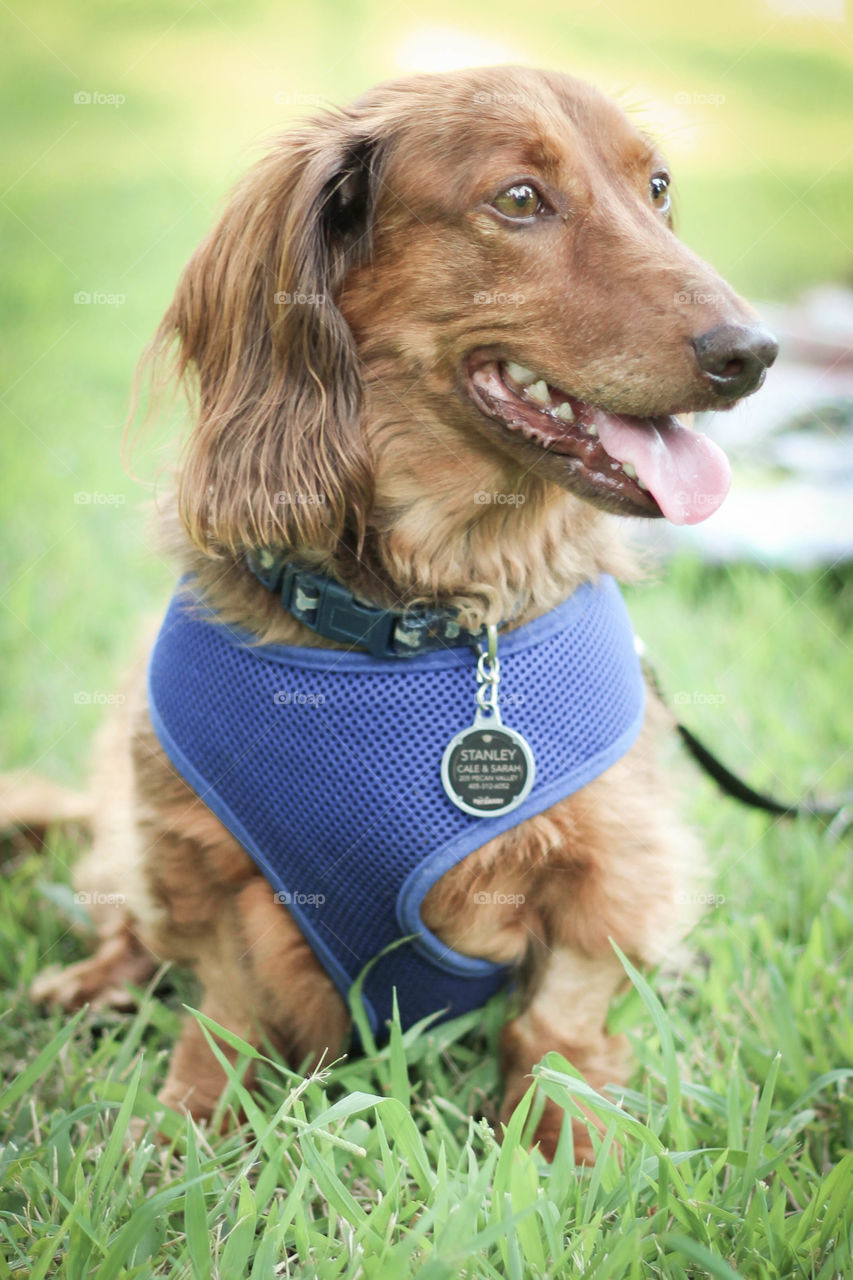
[(276, 455)]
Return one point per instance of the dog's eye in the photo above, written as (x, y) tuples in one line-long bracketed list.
[(659, 192), (520, 201)]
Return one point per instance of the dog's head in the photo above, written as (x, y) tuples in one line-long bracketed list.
[(468, 278)]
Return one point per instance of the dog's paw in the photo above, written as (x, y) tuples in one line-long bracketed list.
[(548, 1131), (185, 1099), (549, 1128), (79, 984)]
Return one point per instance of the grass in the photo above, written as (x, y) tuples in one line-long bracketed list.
[(736, 1131)]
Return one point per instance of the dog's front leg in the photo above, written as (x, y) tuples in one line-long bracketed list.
[(566, 987), (263, 982), (196, 1080), (567, 1013)]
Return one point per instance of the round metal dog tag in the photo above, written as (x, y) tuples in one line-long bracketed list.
[(487, 769)]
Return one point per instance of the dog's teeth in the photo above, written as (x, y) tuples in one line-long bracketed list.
[(630, 470), (643, 486), (591, 430), (565, 412), (519, 374), (539, 392)]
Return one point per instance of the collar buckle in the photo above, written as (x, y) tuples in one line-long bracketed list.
[(330, 609)]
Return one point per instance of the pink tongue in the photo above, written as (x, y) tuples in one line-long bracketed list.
[(687, 474)]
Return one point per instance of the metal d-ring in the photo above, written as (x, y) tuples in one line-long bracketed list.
[(488, 671)]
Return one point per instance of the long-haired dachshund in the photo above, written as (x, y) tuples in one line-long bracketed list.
[(433, 340)]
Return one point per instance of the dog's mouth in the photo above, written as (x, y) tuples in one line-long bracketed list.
[(635, 466)]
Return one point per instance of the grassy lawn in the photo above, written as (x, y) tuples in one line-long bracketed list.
[(735, 1136)]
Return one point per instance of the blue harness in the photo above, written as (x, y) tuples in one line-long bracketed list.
[(325, 766)]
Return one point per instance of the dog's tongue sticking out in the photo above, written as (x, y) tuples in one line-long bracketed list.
[(687, 474)]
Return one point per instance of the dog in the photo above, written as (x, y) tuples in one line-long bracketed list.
[(436, 341)]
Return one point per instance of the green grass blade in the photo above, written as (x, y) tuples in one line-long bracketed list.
[(195, 1209), (24, 1082), (672, 1077)]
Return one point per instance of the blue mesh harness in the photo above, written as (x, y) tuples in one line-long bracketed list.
[(325, 766)]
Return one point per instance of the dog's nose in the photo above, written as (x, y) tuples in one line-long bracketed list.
[(735, 357)]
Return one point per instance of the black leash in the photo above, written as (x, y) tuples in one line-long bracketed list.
[(838, 812)]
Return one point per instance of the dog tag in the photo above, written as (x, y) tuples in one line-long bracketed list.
[(488, 769)]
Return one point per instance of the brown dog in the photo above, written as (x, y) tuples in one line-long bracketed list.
[(451, 288)]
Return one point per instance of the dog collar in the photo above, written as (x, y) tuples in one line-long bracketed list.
[(330, 609)]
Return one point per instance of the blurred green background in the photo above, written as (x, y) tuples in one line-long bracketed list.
[(127, 123)]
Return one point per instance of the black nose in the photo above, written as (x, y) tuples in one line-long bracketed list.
[(735, 357)]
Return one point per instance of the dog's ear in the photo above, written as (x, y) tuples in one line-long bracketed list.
[(276, 455)]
